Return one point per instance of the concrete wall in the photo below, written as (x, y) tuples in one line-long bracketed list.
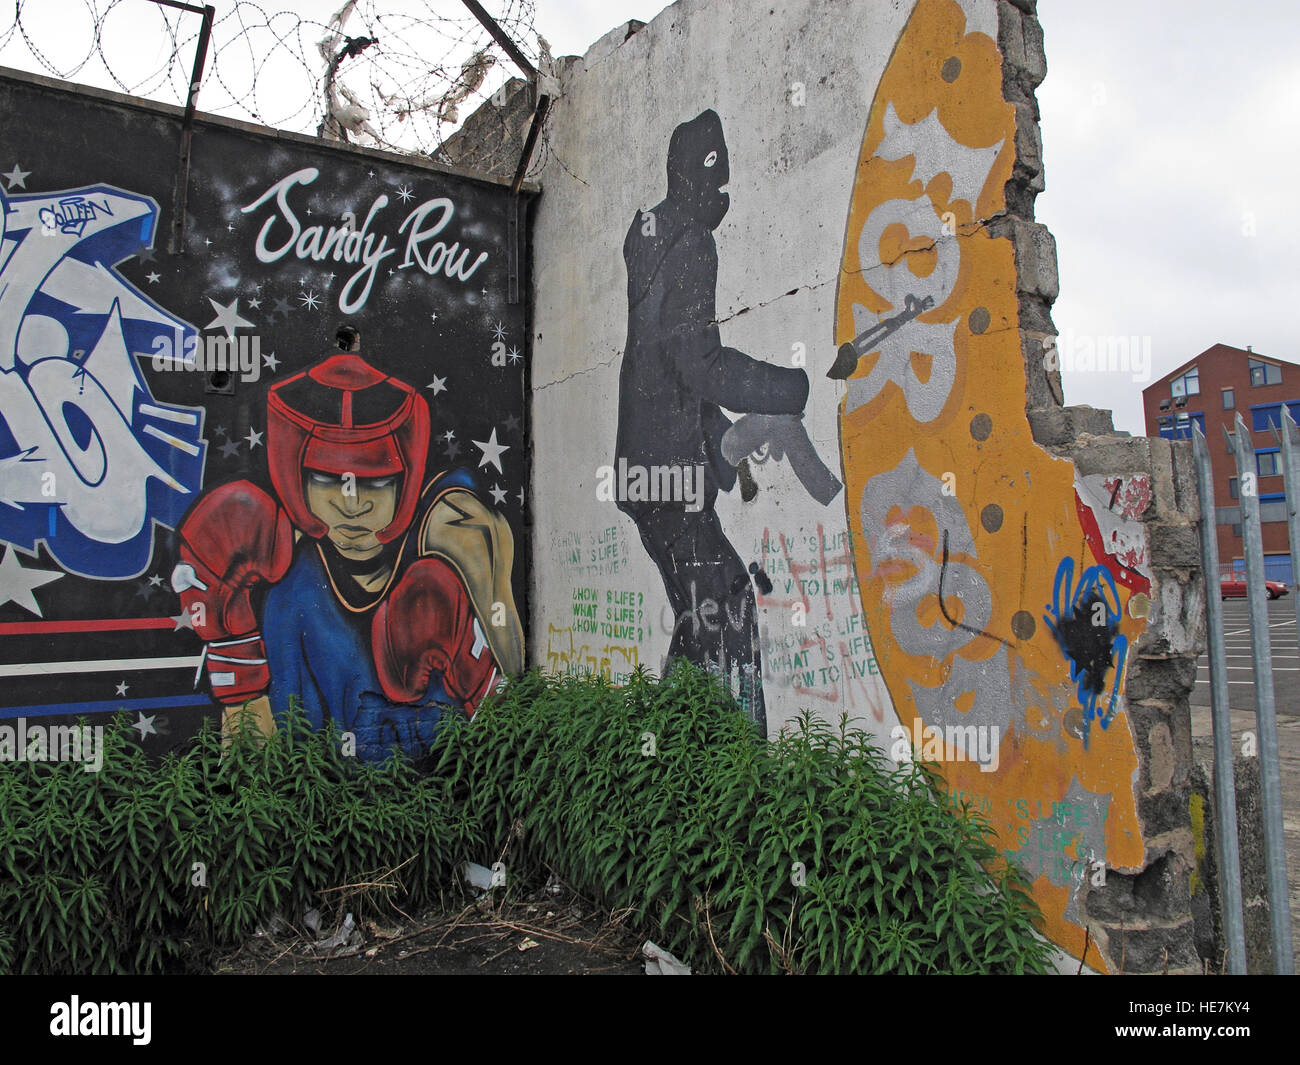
[(108, 444), (908, 540)]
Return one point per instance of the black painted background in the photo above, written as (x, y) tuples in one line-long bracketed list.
[(67, 140)]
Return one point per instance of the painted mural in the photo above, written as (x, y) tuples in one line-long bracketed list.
[(809, 295), (676, 448), (282, 461), (1002, 593), (394, 604)]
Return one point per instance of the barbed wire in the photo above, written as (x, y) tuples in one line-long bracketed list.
[(395, 74)]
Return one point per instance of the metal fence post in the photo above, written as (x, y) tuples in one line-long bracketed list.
[(1225, 789), (1291, 486), (1279, 906), (180, 190)]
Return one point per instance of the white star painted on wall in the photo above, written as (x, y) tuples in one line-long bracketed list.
[(405, 194), (498, 495), (153, 278), (513, 355), (271, 362), (439, 384), (254, 438), (449, 435), (144, 725), (310, 300), (255, 303), (182, 621), (492, 451), (521, 497), (17, 178), (18, 584), (228, 318), (121, 688), (499, 333)]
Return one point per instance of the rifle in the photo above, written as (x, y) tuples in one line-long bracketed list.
[(846, 359), (786, 436)]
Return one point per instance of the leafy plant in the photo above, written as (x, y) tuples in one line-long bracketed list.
[(144, 867), (809, 853), (805, 854)]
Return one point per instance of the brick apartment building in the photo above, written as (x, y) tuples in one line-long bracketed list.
[(1209, 391)]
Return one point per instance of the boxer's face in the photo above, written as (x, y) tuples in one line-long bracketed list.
[(355, 509)]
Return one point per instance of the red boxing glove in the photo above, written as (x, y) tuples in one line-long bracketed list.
[(235, 538), (427, 624)]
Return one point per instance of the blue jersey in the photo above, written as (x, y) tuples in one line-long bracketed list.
[(319, 650)]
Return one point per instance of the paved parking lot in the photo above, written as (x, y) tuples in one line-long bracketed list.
[(1241, 676)]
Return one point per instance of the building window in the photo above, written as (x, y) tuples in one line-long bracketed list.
[(1268, 463), (1264, 416), (1232, 443), (1263, 373), (1229, 399), (1187, 385), (1236, 531), (1232, 488), (1182, 425)]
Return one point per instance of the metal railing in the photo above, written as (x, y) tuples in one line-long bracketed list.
[(1265, 705)]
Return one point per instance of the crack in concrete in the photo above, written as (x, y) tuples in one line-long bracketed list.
[(577, 373), (767, 303), (968, 230)]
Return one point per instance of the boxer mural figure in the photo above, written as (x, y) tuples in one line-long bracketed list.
[(675, 381), (380, 599)]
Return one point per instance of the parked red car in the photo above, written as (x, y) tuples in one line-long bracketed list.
[(1235, 588)]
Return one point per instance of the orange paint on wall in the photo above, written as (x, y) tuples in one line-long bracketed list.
[(1018, 501)]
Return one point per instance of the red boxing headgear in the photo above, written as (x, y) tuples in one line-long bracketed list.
[(344, 416)]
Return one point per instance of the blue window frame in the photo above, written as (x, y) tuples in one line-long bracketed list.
[(1263, 416), (1189, 384), (1180, 428), (1264, 373)]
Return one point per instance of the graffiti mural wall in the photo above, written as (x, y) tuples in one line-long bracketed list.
[(282, 460), (1000, 610), (803, 458)]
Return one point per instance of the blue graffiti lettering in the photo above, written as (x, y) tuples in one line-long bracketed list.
[(1085, 621), (89, 459)]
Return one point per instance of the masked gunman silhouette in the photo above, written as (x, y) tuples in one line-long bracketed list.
[(675, 382)]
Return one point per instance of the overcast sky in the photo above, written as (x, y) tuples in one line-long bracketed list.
[(1171, 140), (1171, 149)]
